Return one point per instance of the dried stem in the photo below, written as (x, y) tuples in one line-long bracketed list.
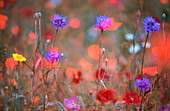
[(54, 40), (144, 54), (164, 36), (134, 42), (99, 63)]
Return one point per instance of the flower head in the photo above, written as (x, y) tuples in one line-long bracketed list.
[(71, 103), (102, 73), (150, 25), (59, 22), (18, 57), (131, 98), (106, 95), (143, 84), (165, 108), (53, 56), (77, 77), (103, 22)]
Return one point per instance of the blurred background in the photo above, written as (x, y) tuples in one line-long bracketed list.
[(79, 42)]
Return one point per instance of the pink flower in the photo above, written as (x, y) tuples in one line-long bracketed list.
[(105, 24), (71, 103)]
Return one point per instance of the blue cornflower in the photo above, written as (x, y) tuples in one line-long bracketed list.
[(59, 22), (143, 84), (53, 56), (103, 22), (150, 25)]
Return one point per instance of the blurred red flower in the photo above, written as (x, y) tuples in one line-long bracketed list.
[(77, 77), (102, 72), (27, 12), (10, 63), (106, 95), (152, 71), (131, 98)]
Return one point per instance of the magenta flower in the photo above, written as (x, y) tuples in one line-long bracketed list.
[(53, 56), (103, 22), (71, 103)]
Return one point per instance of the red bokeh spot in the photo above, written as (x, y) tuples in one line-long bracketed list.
[(157, 51), (10, 63), (85, 65), (50, 5), (92, 1), (74, 23), (15, 30), (164, 1), (114, 25), (3, 20), (70, 71), (113, 1), (94, 51), (54, 48), (35, 99), (1, 77), (112, 64), (1, 3), (8, 2), (152, 71), (49, 34), (32, 35), (27, 12), (14, 83)]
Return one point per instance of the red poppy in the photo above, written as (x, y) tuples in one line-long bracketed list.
[(106, 95), (102, 72), (77, 77), (131, 98)]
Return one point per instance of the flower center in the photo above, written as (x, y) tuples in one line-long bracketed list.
[(19, 57), (72, 103), (131, 98), (76, 76)]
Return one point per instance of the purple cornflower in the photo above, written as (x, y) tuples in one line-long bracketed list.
[(165, 108), (103, 22), (59, 22), (150, 25), (71, 103), (143, 84), (53, 56)]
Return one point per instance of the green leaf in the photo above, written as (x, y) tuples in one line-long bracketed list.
[(93, 82)]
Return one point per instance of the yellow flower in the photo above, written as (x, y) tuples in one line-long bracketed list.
[(18, 57)]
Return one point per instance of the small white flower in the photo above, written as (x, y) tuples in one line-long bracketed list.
[(137, 48), (129, 36), (148, 44)]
